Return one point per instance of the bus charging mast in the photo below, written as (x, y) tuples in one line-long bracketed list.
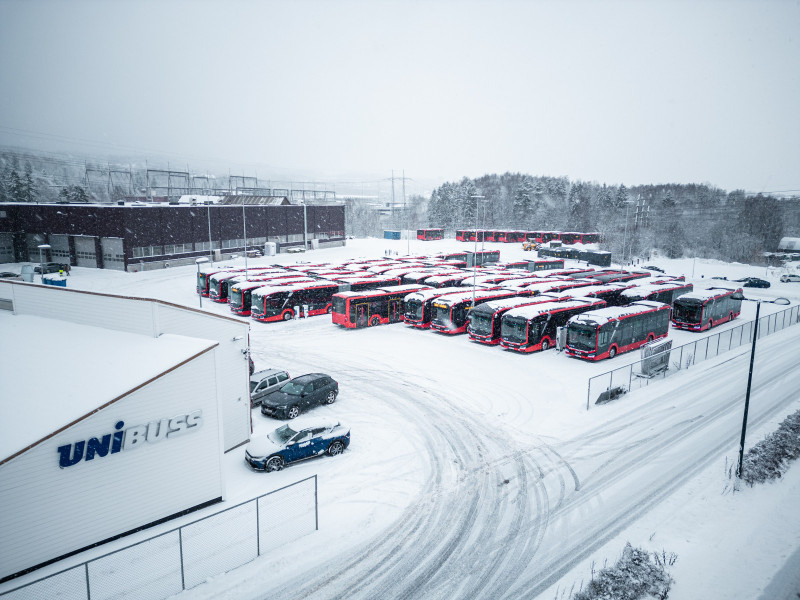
[(475, 254)]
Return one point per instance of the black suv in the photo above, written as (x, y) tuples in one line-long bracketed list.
[(753, 282), (300, 394), (52, 267)]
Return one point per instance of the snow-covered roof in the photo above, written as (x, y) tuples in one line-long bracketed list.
[(604, 315), (640, 291), (495, 305), (57, 395), (711, 292), (534, 310), (432, 293), (451, 299)]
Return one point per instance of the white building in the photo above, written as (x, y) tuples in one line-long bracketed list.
[(114, 415)]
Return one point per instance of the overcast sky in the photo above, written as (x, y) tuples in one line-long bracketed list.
[(614, 92)]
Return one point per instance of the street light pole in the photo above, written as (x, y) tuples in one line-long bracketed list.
[(475, 253), (42, 248), (200, 261), (210, 246), (244, 231)]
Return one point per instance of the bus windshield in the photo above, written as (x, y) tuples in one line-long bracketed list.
[(414, 308), (581, 336), (514, 330), (339, 304), (687, 313), (480, 324)]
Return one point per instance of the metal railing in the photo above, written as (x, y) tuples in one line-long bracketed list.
[(633, 376), (182, 558)]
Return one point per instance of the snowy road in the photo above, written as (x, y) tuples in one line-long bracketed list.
[(504, 514)]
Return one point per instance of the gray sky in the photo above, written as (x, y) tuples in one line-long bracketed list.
[(614, 92)]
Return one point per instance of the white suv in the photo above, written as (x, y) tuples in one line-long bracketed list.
[(264, 382), (789, 277)]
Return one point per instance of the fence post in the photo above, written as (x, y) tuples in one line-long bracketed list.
[(180, 545), (88, 589), (258, 531), (589, 393), (680, 360), (316, 506), (630, 377)]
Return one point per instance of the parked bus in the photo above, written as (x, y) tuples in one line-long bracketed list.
[(485, 319), (417, 305), (612, 293), (605, 333), (545, 264), (461, 235), (430, 234), (357, 284), (614, 277), (449, 313), (217, 289), (277, 303), (665, 292), (204, 279), (492, 279), (371, 307), (240, 297), (574, 237), (252, 275), (704, 309), (533, 328)]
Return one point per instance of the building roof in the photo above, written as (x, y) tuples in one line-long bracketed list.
[(54, 373), (255, 200)]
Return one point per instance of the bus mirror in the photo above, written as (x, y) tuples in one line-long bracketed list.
[(737, 296), (783, 301)]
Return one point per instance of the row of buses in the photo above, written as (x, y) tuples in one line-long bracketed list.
[(509, 236), (605, 311)]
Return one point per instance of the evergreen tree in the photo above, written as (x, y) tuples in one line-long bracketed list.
[(15, 187)]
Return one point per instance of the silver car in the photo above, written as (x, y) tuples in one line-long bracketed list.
[(264, 382), (790, 277)]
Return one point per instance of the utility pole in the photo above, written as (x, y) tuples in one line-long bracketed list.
[(405, 212)]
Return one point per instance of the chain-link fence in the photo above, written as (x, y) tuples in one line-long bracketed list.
[(637, 375), (182, 558)]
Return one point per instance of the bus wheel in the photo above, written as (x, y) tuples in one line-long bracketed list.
[(612, 352), (328, 309), (545, 344), (650, 338), (288, 315), (730, 317), (710, 324), (374, 321)]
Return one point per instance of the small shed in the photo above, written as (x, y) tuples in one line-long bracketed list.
[(389, 234)]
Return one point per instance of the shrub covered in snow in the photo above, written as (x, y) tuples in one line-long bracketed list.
[(638, 574), (770, 457)]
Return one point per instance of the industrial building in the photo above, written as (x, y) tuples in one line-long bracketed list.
[(140, 236)]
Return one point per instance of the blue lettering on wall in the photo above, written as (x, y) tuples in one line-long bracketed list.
[(64, 451), (112, 443)]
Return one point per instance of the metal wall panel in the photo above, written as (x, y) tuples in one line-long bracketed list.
[(113, 253), (85, 251), (49, 510)]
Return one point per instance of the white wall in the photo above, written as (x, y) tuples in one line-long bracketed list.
[(153, 318), (48, 510)]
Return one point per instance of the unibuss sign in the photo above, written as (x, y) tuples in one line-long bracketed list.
[(128, 439)]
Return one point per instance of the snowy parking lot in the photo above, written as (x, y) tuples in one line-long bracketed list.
[(478, 472)]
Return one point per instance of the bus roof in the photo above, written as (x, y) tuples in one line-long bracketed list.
[(608, 287), (494, 305), (644, 290), (429, 293), (534, 310), (477, 293), (707, 294), (613, 313)]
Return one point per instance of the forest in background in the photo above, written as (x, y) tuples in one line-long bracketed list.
[(678, 220)]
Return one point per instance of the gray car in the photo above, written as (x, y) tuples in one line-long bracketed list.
[(264, 382)]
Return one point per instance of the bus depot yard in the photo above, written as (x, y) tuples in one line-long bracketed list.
[(444, 428)]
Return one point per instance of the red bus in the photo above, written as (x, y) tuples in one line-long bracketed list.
[(357, 284), (541, 237), (240, 296), (532, 328), (485, 319), (369, 308), (217, 288), (449, 313), (605, 333), (610, 277), (252, 275), (461, 235), (420, 276), (417, 305), (705, 309), (204, 279), (278, 302), (665, 292), (430, 234)]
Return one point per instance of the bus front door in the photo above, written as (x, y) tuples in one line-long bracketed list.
[(395, 311), (362, 315)]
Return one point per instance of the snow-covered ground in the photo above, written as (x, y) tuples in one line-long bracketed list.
[(476, 472)]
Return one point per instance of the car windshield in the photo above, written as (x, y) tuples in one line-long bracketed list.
[(293, 388), (253, 385), (282, 434)]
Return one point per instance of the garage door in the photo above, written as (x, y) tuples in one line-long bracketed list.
[(85, 252), (59, 248), (6, 248), (113, 256)]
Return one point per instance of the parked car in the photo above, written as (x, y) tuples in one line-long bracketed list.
[(265, 382), (51, 267), (790, 277), (653, 268), (300, 394), (723, 278), (753, 282), (10, 275), (299, 439)]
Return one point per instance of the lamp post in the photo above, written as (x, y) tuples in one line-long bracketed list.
[(475, 253), (199, 262), (625, 234), (244, 231), (210, 246), (782, 301), (42, 248)]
